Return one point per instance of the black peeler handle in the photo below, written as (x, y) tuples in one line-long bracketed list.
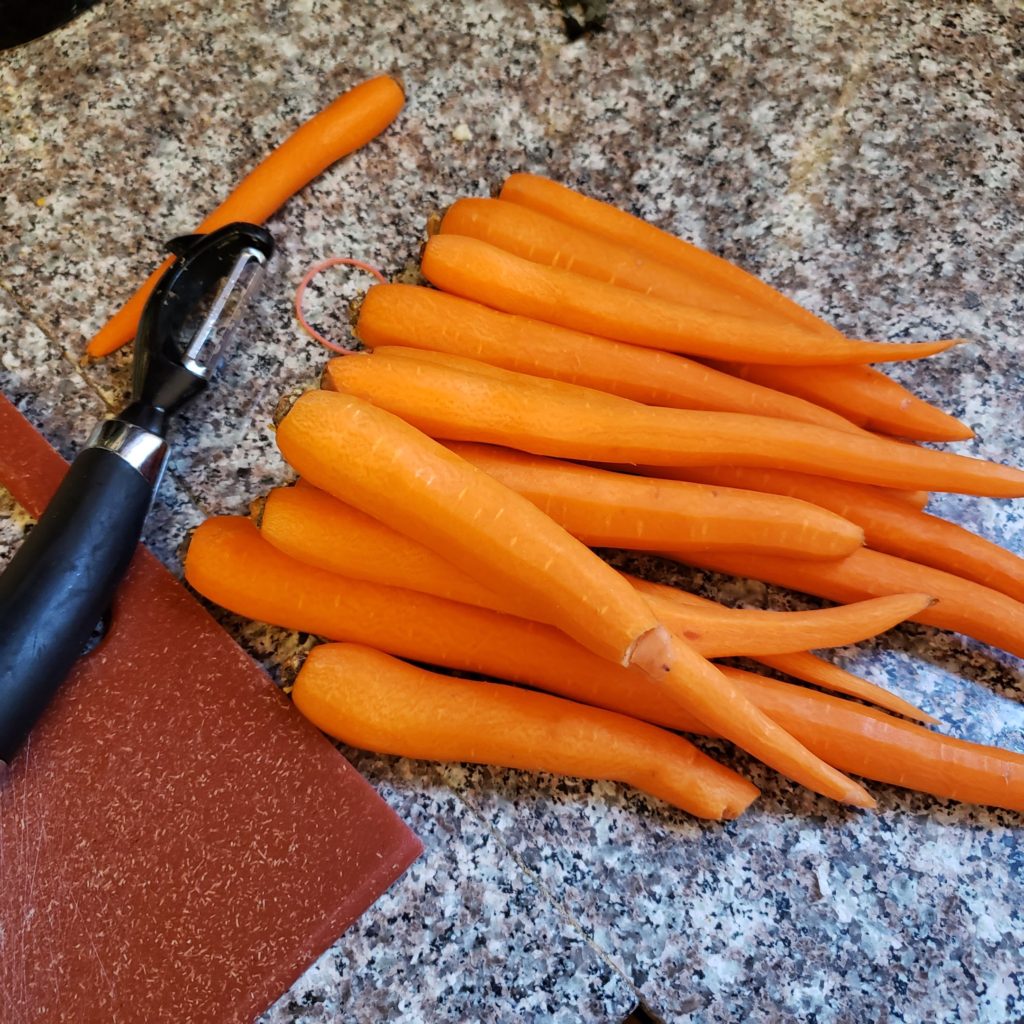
[(62, 579)]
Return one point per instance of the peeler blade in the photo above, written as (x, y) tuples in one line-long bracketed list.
[(213, 337)]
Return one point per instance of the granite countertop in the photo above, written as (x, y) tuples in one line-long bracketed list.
[(866, 161)]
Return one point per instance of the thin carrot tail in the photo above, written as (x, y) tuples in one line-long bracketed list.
[(812, 669), (699, 686)]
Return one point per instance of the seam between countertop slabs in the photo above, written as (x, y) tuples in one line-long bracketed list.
[(560, 909), (77, 369), (814, 150)]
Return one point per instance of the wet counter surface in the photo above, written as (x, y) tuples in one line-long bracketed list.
[(868, 164)]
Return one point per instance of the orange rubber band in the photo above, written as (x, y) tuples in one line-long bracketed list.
[(334, 261)]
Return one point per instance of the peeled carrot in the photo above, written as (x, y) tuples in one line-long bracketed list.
[(424, 318), (549, 417), (861, 394), (542, 239), (319, 530), (409, 315), (960, 605), (614, 510), (350, 122), (484, 273), (622, 228), (877, 746), (889, 524), (733, 632), (373, 701), (231, 564), (854, 738), (916, 499), (786, 480), (389, 469), (811, 669)]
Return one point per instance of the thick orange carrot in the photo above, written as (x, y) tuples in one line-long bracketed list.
[(484, 273), (371, 700), (615, 510), (409, 315), (391, 470), (230, 563), (351, 121), (861, 394), (317, 529), (915, 499), (549, 417), (615, 225), (541, 239), (889, 524), (960, 605)]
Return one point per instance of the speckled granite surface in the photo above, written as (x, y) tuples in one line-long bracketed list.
[(869, 163)]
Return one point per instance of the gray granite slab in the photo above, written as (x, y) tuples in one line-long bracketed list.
[(867, 160), (469, 933)]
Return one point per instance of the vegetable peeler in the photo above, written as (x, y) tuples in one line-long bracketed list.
[(60, 583)]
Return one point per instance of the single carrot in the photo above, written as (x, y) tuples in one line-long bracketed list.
[(549, 417), (889, 524), (542, 239), (484, 273), (861, 394), (615, 510), (738, 632), (614, 225), (317, 529), (388, 468), (350, 122), (373, 701), (417, 317), (960, 605), (229, 563), (783, 479)]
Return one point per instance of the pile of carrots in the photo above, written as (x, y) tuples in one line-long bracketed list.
[(579, 379)]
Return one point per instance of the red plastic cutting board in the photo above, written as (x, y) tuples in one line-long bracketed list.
[(176, 842)]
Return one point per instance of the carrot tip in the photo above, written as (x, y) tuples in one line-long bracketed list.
[(858, 796), (731, 811)]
